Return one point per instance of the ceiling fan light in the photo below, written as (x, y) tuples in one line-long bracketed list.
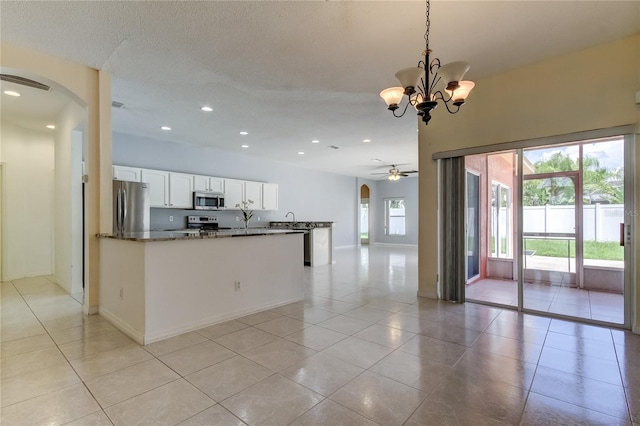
[(453, 72), (392, 96), (459, 95), (409, 78)]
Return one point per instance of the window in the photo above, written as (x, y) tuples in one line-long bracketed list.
[(500, 220), (394, 216)]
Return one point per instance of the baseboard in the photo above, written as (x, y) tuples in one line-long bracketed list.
[(425, 295), (19, 277), (394, 244), (62, 285), (185, 328), (122, 326), (90, 310)]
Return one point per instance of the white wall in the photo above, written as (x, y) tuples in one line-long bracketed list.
[(28, 158), (68, 198), (311, 195)]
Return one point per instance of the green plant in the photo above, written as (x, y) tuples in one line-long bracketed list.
[(246, 213)]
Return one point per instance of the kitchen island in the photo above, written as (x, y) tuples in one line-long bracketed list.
[(160, 284)]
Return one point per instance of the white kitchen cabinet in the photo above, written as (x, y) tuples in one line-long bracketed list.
[(233, 192), (130, 174), (158, 181), (180, 190), (253, 192), (216, 184), (208, 183), (269, 196), (201, 183)]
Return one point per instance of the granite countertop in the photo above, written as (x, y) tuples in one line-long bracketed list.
[(300, 224), (184, 235)]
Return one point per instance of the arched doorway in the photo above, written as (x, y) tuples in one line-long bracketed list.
[(42, 154), (365, 229)]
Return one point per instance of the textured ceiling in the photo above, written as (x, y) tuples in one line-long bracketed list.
[(290, 72)]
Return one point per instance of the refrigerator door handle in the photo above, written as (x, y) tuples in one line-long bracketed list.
[(124, 207), (119, 211)]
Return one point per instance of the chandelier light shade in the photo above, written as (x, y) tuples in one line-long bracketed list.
[(422, 84), (392, 95)]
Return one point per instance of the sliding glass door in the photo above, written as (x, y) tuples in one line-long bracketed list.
[(552, 229)]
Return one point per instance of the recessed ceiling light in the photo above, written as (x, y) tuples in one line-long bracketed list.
[(51, 126), (366, 140), (206, 108), (11, 93), (243, 133), (315, 141), (300, 152), (244, 146), (165, 128)]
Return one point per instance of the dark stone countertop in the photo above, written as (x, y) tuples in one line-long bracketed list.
[(149, 236)]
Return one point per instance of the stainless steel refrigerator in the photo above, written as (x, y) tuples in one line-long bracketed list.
[(131, 211)]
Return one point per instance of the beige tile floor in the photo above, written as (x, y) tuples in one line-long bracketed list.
[(360, 350)]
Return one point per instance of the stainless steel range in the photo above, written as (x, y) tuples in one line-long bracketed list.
[(202, 223)]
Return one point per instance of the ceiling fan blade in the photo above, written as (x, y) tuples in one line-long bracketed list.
[(408, 171), (403, 174)]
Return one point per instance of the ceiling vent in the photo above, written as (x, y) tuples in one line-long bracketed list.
[(24, 82), (334, 147), (117, 104)]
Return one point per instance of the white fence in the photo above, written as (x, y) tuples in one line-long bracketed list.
[(601, 222)]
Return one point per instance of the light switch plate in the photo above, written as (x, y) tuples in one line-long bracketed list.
[(638, 97)]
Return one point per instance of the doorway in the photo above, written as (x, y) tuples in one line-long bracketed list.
[(364, 214), (43, 150), (554, 224)]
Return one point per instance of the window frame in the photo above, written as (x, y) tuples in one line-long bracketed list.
[(388, 216)]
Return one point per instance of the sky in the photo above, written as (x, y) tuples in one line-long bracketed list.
[(610, 153)]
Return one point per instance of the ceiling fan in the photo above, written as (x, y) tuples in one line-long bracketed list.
[(395, 173)]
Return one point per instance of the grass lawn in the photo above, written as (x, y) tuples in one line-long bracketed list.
[(592, 249)]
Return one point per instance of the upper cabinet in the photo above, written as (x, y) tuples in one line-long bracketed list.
[(208, 183), (131, 174), (168, 189), (158, 181), (180, 191), (175, 190), (270, 196), (253, 192), (233, 192)]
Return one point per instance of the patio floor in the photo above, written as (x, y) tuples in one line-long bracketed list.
[(575, 302)]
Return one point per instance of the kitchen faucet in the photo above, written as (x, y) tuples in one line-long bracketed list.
[(291, 213)]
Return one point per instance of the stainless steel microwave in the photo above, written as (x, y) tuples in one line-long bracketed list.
[(208, 200)]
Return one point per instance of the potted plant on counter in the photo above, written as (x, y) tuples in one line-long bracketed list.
[(246, 213)]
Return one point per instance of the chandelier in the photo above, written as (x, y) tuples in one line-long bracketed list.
[(424, 85)]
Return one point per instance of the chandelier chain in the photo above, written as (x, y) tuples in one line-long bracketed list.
[(428, 25)]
